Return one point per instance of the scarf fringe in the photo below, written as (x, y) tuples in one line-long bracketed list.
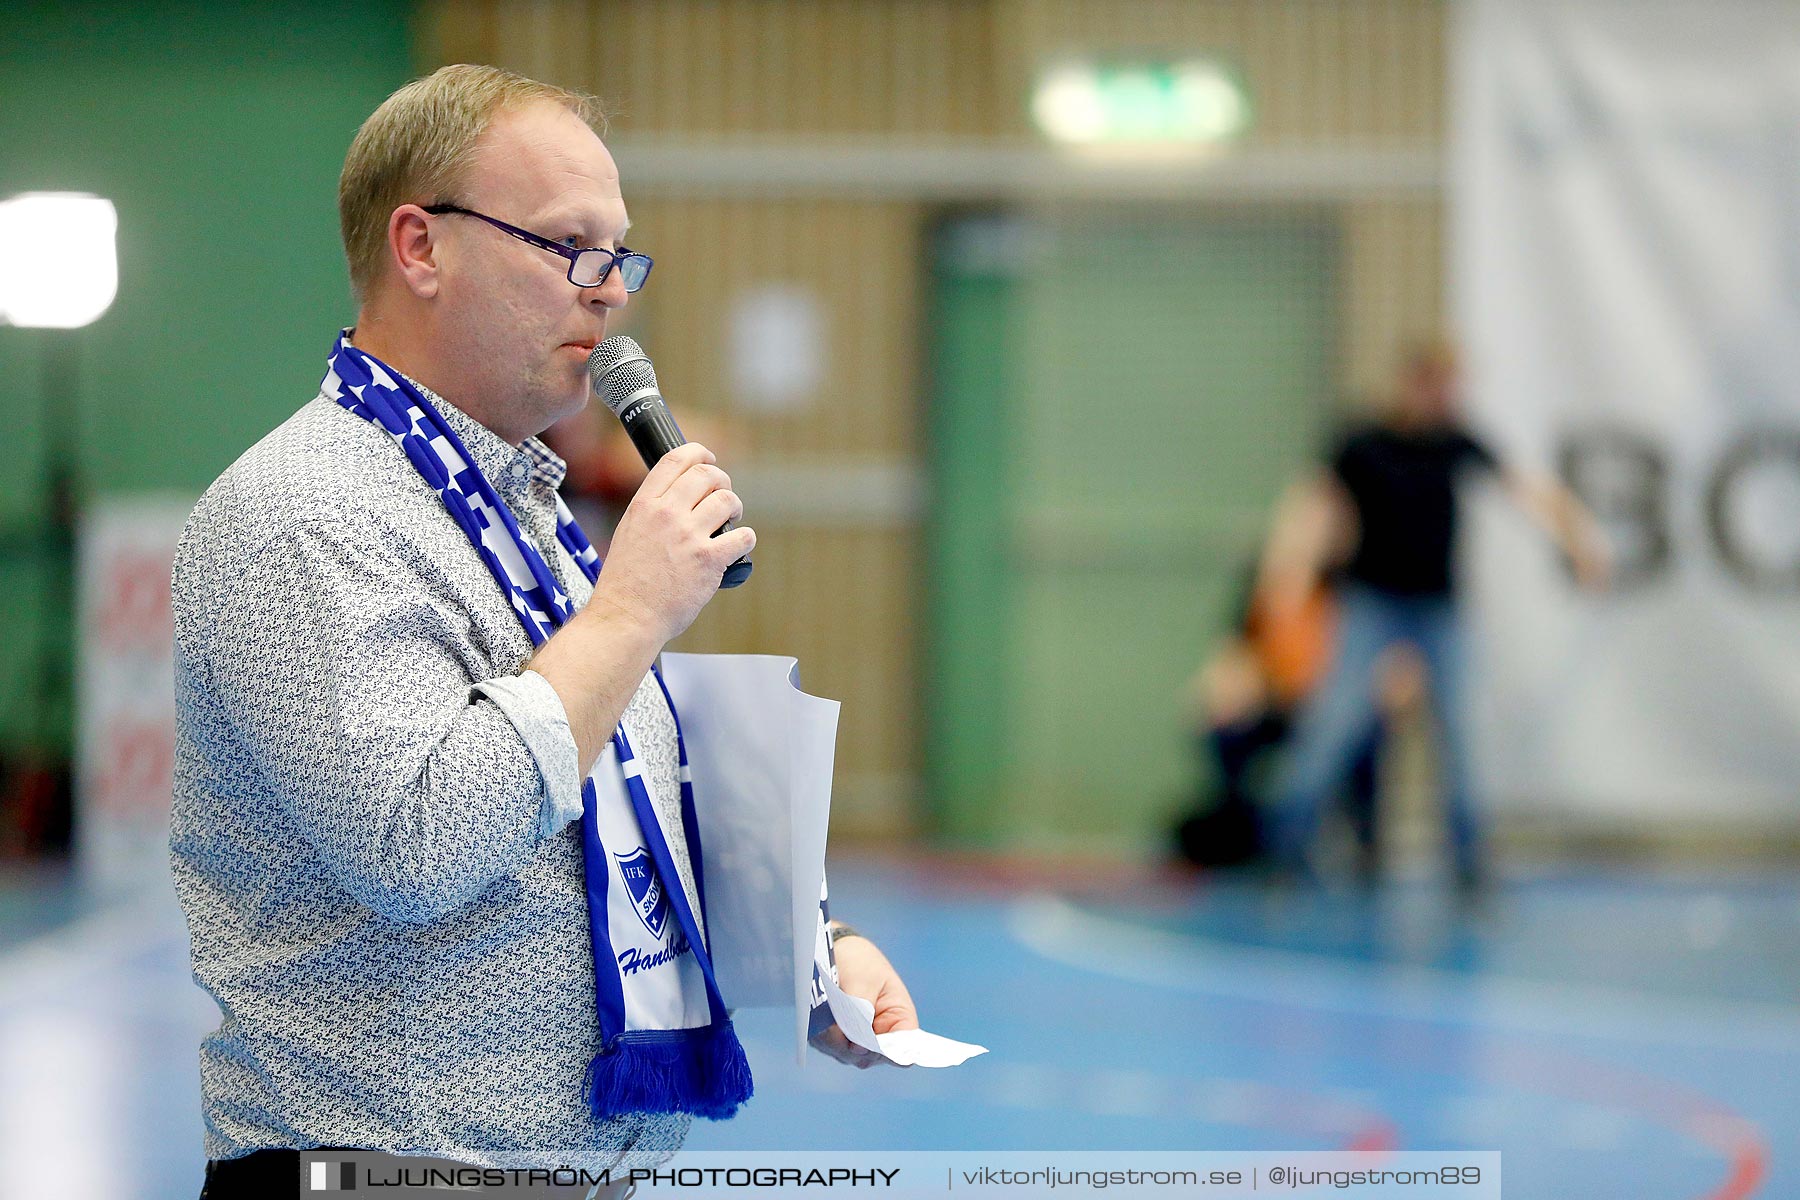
[(703, 1071)]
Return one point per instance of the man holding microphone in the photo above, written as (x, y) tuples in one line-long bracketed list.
[(398, 663)]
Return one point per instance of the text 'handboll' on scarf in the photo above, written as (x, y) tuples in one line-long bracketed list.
[(666, 1043)]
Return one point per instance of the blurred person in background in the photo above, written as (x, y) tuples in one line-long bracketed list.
[(433, 923), (1386, 509), (1243, 700)]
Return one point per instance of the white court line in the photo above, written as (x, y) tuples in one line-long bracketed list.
[(1059, 931)]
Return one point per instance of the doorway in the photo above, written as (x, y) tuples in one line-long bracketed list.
[(1115, 405)]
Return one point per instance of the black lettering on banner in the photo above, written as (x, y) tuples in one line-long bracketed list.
[(1750, 454), (1623, 478)]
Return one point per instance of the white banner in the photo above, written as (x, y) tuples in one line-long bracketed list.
[(125, 699), (1626, 198)]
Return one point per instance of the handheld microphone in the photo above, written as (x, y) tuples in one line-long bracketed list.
[(623, 378)]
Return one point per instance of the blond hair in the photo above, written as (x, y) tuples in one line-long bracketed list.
[(416, 149)]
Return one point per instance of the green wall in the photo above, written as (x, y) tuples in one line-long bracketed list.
[(218, 130), (972, 328), (1117, 403)]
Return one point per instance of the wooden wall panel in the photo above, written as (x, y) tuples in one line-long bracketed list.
[(858, 260), (1393, 290), (918, 68)]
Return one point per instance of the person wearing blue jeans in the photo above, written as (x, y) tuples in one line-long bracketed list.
[(1335, 724), (1390, 497)]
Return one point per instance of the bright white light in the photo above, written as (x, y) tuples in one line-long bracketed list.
[(59, 259), (1068, 105), (1210, 102)]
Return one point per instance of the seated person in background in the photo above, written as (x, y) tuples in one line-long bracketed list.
[(1243, 700)]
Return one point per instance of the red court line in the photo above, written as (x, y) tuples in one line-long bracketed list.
[(1300, 1112), (1736, 1139)]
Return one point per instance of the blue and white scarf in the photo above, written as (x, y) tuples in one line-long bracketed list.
[(666, 1042)]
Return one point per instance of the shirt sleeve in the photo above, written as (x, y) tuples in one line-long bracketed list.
[(537, 713), (348, 675)]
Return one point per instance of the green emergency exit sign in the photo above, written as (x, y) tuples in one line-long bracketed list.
[(1197, 102)]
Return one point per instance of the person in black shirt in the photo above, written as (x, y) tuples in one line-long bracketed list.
[(1386, 508)]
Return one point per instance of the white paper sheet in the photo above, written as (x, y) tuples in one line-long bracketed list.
[(761, 753)]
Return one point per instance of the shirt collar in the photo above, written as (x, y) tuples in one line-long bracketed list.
[(506, 467)]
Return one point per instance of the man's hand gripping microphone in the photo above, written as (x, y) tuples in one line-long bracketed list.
[(623, 378)]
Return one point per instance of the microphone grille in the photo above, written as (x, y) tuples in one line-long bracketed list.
[(619, 369)]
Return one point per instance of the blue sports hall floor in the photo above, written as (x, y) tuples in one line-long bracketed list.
[(1617, 1034)]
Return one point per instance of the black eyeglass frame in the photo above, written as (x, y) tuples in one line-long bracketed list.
[(573, 254)]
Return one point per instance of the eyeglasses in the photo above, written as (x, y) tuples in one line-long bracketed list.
[(587, 268)]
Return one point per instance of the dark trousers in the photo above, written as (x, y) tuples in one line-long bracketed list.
[(1337, 715), (1227, 828)]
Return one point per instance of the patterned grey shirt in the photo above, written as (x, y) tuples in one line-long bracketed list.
[(372, 835)]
